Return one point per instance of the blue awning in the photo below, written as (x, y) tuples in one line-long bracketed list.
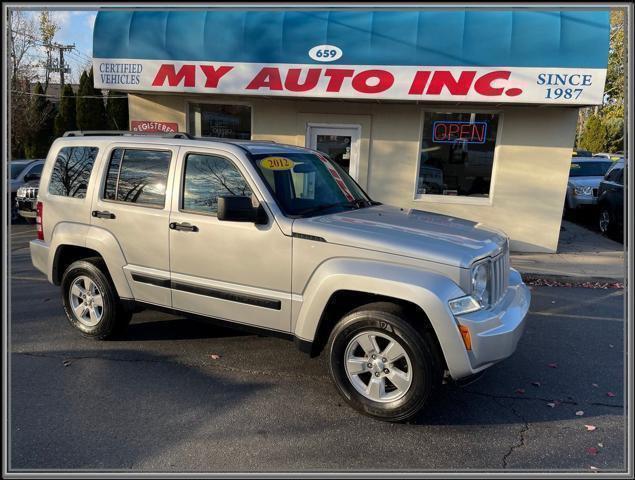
[(515, 37)]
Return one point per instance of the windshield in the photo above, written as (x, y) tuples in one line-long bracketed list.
[(16, 169), (306, 184), (589, 169)]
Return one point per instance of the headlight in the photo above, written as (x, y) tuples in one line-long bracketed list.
[(20, 192), (480, 279), (583, 190)]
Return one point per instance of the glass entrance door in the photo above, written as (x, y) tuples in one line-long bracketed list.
[(339, 142)]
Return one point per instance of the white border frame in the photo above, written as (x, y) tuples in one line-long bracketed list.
[(452, 199), (355, 142)]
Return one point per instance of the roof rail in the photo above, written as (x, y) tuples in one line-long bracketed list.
[(122, 133)]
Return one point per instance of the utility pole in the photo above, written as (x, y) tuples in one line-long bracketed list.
[(59, 66), (63, 67)]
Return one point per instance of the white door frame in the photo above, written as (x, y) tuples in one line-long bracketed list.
[(355, 132)]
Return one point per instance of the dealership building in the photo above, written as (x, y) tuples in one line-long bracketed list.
[(465, 112)]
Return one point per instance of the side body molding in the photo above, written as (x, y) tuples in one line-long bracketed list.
[(97, 239), (428, 290)]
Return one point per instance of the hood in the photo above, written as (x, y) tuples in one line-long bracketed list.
[(585, 181), (412, 233)]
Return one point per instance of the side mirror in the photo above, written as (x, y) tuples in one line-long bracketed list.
[(232, 208)]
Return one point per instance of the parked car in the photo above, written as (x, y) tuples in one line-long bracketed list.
[(26, 200), (279, 239), (611, 156), (611, 201), (21, 172), (585, 175)]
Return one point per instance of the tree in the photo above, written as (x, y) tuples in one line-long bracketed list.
[(608, 120), (48, 29), (594, 135), (117, 111), (66, 117), (22, 40), (40, 116), (91, 114)]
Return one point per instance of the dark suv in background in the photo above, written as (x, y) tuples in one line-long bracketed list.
[(611, 201)]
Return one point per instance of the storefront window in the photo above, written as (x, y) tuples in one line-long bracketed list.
[(457, 154), (218, 120)]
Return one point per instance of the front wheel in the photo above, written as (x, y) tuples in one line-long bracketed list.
[(90, 300), (381, 365)]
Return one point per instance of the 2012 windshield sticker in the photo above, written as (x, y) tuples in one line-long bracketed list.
[(566, 85), (276, 163)]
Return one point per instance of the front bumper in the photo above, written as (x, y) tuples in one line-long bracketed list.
[(27, 207), (582, 201), (495, 331)]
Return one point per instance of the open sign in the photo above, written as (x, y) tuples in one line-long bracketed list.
[(453, 132)]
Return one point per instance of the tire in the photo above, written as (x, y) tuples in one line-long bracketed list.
[(387, 323), (109, 321)]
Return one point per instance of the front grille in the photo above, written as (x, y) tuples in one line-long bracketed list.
[(499, 276), (28, 192)]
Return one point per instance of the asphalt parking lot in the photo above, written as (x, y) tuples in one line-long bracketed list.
[(180, 395)]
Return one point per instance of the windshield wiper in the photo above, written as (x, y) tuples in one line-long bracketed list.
[(358, 203)]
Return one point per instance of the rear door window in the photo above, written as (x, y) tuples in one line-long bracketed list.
[(138, 176), (71, 171)]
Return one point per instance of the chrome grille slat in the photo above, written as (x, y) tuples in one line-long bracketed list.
[(500, 276)]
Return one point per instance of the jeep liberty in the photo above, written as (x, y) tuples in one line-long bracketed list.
[(280, 239)]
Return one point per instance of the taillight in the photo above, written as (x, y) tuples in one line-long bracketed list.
[(38, 219)]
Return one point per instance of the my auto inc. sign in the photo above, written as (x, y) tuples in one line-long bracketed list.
[(473, 84)]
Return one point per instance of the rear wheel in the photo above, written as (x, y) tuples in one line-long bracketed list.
[(90, 300), (381, 365)]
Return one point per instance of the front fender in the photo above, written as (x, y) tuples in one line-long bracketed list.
[(430, 291)]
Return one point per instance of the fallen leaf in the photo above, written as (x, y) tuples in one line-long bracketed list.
[(551, 404), (610, 394), (592, 451), (520, 390), (579, 413), (214, 356), (66, 363), (590, 428), (611, 345), (536, 384), (601, 445), (553, 365), (595, 385), (592, 467)]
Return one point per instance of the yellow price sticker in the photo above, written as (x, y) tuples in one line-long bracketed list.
[(276, 163)]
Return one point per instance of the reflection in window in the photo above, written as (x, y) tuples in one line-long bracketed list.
[(138, 176), (208, 177), (457, 154), (71, 171), (221, 121)]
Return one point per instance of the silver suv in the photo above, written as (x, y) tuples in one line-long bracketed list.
[(276, 238)]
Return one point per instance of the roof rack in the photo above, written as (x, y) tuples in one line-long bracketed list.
[(122, 133)]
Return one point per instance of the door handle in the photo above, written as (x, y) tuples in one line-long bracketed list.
[(184, 227), (104, 214)]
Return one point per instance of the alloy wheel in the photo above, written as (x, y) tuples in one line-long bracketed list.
[(378, 366), (86, 301)]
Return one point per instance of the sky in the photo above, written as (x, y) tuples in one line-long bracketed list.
[(76, 26)]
